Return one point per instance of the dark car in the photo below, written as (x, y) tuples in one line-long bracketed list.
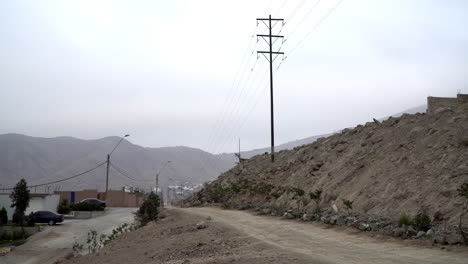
[(94, 201), (48, 217)]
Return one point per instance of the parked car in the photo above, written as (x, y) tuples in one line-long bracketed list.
[(94, 201), (48, 217)]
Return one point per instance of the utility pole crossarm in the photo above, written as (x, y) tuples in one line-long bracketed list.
[(268, 19), (273, 52), (273, 36)]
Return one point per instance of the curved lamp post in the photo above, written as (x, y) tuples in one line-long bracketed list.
[(108, 164)]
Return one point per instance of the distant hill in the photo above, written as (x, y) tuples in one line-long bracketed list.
[(41, 160)]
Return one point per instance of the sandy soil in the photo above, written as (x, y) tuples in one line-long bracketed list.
[(242, 237)]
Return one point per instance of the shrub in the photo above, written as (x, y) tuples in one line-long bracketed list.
[(348, 204), (227, 206), (18, 218), (3, 216), (422, 221), (6, 236), (404, 220), (317, 197), (31, 219), (277, 193), (64, 207), (298, 192), (317, 211), (217, 193), (149, 210)]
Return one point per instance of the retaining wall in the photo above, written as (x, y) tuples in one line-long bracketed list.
[(87, 214)]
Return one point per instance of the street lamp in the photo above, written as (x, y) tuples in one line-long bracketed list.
[(157, 174), (108, 164)]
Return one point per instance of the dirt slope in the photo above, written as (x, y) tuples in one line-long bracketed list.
[(403, 165)]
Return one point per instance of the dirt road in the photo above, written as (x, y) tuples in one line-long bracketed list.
[(316, 244), (56, 241), (212, 235)]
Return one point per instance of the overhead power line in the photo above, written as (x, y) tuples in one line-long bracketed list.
[(314, 28), (122, 172), (62, 180)]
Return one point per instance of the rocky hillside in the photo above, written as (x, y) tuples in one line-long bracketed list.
[(42, 160), (402, 166)]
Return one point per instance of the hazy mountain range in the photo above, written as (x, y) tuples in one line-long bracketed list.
[(43, 160)]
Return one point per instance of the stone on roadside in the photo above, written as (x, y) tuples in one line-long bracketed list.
[(454, 239), (266, 211), (420, 234), (411, 232), (440, 240), (430, 233), (201, 225), (364, 226), (398, 232)]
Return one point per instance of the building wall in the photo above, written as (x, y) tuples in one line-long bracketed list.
[(47, 203), (114, 198), (81, 195), (434, 103), (462, 98), (124, 199), (5, 201), (37, 203)]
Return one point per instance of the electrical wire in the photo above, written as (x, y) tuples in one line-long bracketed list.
[(115, 167), (62, 180), (313, 29)]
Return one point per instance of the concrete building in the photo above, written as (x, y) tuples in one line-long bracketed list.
[(115, 198), (434, 103), (38, 202)]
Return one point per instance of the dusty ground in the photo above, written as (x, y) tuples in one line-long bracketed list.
[(242, 237), (56, 241)]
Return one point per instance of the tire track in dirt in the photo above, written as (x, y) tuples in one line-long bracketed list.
[(322, 245)]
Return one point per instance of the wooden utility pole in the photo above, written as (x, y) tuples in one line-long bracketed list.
[(270, 42)]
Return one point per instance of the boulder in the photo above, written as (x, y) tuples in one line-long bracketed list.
[(335, 208), (454, 239), (307, 217), (341, 221), (266, 211), (430, 233), (420, 234), (399, 232), (364, 227), (411, 232), (334, 219), (440, 240), (288, 215), (351, 221)]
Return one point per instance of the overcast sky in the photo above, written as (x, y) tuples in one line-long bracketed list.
[(174, 73)]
